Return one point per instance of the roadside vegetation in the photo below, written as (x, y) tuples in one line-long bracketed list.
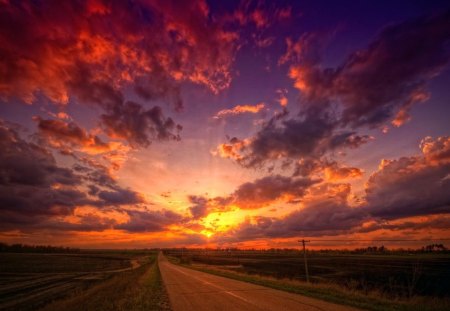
[(367, 281)]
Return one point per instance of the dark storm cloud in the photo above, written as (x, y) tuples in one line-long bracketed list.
[(199, 208), (105, 188), (35, 190), (138, 125), (379, 83), (85, 223), (411, 186), (149, 221), (310, 135), (31, 183), (66, 135), (388, 77), (268, 189), (25, 163), (120, 197), (126, 119)]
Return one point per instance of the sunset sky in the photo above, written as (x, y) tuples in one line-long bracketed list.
[(160, 123)]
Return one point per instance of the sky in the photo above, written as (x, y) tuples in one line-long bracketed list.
[(251, 124)]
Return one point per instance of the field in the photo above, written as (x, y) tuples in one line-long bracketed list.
[(101, 280), (130, 280), (392, 275)]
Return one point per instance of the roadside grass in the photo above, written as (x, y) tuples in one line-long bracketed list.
[(372, 300), (138, 289)]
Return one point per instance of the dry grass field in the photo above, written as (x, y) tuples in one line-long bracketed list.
[(104, 280)]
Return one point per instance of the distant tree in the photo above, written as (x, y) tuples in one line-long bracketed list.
[(21, 248), (434, 247)]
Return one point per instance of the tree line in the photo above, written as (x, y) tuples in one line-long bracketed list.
[(23, 248)]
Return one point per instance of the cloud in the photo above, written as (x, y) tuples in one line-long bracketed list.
[(320, 220), (282, 98), (411, 186), (25, 163), (200, 207), (253, 195), (83, 223), (66, 135), (239, 109), (269, 189), (264, 42), (410, 224), (149, 221), (90, 52), (160, 40), (325, 212), (36, 192), (372, 86), (139, 126), (311, 134), (32, 185), (120, 197), (326, 169), (125, 119), (260, 15), (232, 149), (398, 196), (334, 172)]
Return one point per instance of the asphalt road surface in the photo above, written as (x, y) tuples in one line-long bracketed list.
[(194, 290)]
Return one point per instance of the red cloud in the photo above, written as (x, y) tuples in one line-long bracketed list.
[(43, 43)]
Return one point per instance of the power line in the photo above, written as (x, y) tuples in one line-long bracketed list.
[(304, 258)]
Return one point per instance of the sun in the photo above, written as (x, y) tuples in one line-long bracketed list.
[(222, 221)]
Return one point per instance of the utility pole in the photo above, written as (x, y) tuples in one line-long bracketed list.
[(304, 257)]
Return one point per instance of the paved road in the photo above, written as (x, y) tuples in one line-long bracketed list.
[(194, 290)]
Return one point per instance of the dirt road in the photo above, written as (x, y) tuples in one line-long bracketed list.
[(194, 290)]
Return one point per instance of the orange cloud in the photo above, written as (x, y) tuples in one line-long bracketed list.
[(436, 151), (402, 115), (335, 173), (239, 109), (282, 99), (231, 150)]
